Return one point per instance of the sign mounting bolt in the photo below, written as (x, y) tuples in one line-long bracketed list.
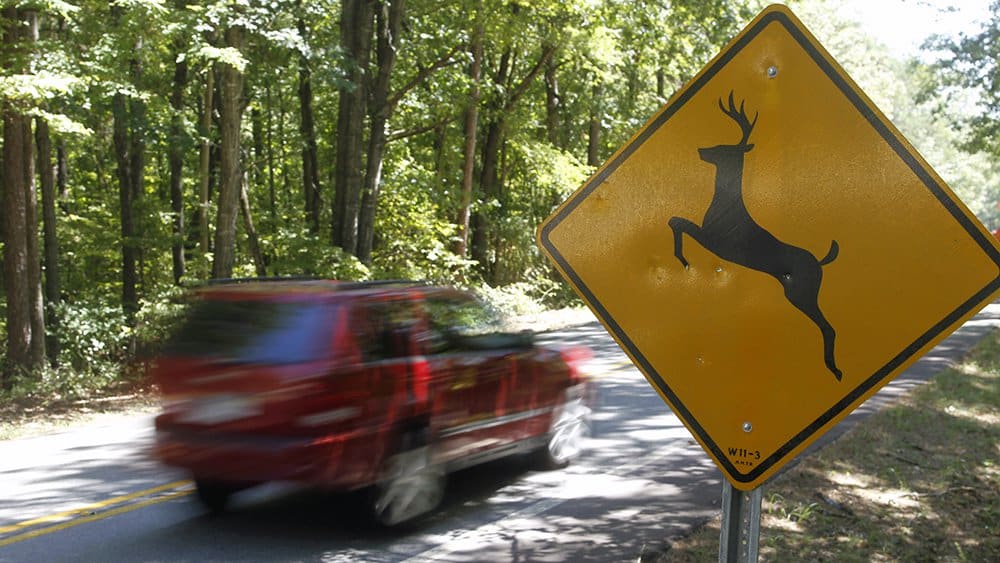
[(747, 427), (772, 71)]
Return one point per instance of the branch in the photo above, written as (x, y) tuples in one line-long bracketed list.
[(422, 74), (418, 130), (522, 87)]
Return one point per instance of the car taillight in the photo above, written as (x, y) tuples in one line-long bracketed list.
[(421, 380), (574, 358)]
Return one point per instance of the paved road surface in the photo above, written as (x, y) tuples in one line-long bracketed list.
[(92, 494)]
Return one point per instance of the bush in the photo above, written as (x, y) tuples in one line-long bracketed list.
[(94, 345), (94, 342), (298, 252), (158, 319), (512, 300)]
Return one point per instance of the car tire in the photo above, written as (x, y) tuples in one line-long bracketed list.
[(410, 484), (215, 495), (569, 429)]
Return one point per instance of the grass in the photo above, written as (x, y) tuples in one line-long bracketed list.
[(918, 481)]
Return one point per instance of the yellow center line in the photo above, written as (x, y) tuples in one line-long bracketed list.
[(89, 507), (93, 517)]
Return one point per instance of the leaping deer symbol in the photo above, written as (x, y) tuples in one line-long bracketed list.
[(731, 233)]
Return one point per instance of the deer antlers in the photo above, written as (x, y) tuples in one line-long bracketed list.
[(740, 117)]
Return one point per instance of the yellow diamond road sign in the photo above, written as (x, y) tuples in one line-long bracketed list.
[(770, 251)]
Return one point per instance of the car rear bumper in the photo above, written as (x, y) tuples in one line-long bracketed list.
[(337, 461)]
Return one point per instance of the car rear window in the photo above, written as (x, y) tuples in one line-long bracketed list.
[(255, 331)]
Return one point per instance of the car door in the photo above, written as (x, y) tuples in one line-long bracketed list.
[(391, 357), (472, 383)]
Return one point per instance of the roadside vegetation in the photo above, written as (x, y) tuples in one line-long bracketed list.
[(275, 155), (151, 144), (917, 481), (58, 399)]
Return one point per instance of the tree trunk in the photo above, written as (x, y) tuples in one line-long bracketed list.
[(491, 183), (355, 32), (205, 163), (127, 131), (286, 184), (255, 164), (119, 114), (62, 171), (176, 161), (471, 131), (441, 158), (594, 129), (230, 176), (489, 178), (260, 265), (310, 170), (552, 102), (389, 19), (46, 174), (137, 165), (17, 174), (37, 304), (272, 208)]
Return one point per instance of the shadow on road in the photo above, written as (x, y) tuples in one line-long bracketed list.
[(642, 483)]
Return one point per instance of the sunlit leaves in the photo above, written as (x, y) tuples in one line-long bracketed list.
[(225, 55), (62, 124), (971, 61), (36, 88)]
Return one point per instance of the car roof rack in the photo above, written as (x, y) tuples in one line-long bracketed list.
[(340, 285), (225, 281), (349, 285)]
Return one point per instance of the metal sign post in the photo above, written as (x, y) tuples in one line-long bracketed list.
[(740, 535)]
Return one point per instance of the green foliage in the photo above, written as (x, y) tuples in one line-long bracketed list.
[(36, 88), (295, 251), (614, 62), (513, 299), (94, 337), (62, 383), (548, 173), (541, 177), (95, 349), (931, 114), (158, 318), (224, 55), (779, 507), (550, 290), (970, 62), (413, 240)]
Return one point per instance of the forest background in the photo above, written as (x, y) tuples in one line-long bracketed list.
[(153, 144)]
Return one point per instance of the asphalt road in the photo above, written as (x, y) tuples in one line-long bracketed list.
[(93, 494)]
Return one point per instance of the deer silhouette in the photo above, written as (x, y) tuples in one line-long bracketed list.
[(731, 233)]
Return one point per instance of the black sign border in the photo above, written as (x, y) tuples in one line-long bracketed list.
[(900, 147)]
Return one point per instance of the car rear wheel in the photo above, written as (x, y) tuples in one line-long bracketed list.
[(215, 495), (411, 485), (567, 433)]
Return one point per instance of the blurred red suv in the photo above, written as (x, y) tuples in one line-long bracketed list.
[(382, 386)]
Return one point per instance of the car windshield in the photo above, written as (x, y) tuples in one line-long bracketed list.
[(465, 317), (255, 331)]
